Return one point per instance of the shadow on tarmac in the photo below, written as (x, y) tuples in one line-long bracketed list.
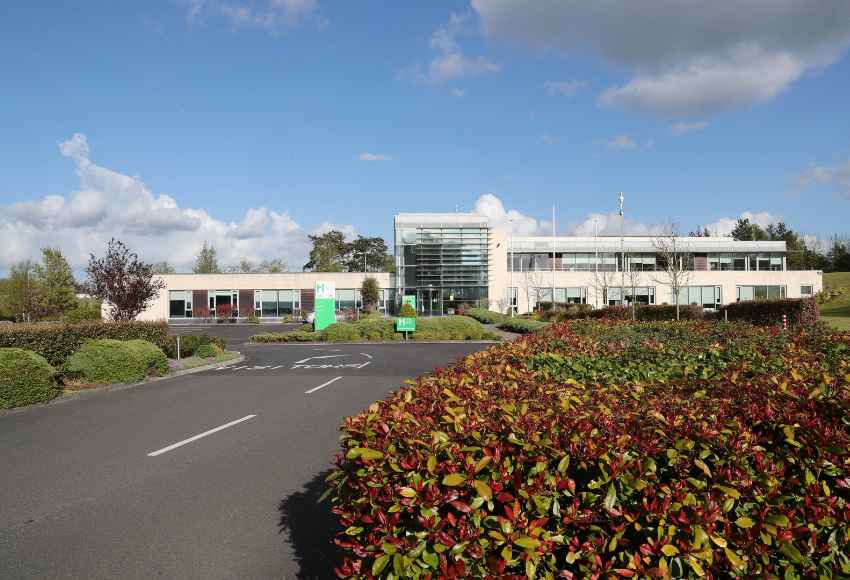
[(311, 528)]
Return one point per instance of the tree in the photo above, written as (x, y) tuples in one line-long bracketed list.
[(207, 261), (123, 282), (370, 293), (602, 280), (375, 250), (245, 266), (675, 263), (56, 282), (746, 231), (701, 232), (163, 268), (23, 292), (275, 266), (330, 252)]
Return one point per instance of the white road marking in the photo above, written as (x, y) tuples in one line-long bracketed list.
[(332, 366), (260, 367), (298, 362), (237, 368), (199, 436), (277, 367), (322, 386), (366, 354)]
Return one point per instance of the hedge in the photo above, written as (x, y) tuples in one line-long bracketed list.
[(521, 325), (154, 360), (383, 329), (451, 328), (206, 351), (484, 316), (25, 378), (728, 456), (564, 311), (189, 343), (799, 311), (57, 342), (107, 361), (649, 312)]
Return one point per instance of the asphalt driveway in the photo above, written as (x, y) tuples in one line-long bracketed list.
[(212, 475)]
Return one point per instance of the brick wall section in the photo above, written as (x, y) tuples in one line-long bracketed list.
[(308, 301)]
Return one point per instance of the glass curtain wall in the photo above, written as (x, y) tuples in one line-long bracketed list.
[(277, 303), (760, 292)]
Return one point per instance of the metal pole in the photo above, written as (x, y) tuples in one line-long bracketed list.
[(553, 257), (622, 255), (596, 254), (511, 289)]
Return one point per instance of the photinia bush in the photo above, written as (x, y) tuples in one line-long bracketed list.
[(608, 449)]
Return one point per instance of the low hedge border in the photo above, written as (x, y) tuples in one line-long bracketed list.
[(798, 311), (106, 361), (25, 378), (57, 342), (522, 325)]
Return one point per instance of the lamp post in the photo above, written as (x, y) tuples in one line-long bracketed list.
[(622, 255), (511, 284)]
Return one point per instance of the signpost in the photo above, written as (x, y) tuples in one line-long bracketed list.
[(406, 324), (325, 305)]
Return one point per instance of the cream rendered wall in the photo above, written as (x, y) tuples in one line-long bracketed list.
[(284, 281)]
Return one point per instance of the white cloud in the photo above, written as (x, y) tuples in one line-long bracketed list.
[(374, 157), (263, 13), (682, 128), (684, 56), (725, 225), (110, 203), (459, 93), (450, 62), (621, 143), (836, 177), (608, 224), (563, 88), (511, 220)]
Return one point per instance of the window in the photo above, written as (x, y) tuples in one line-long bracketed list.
[(739, 262), (180, 304), (806, 290), (705, 296), (637, 295), (719, 262), (276, 303), (574, 295), (345, 299), (760, 292)]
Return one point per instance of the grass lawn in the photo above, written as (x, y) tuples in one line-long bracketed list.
[(836, 312), (837, 322), (194, 361)]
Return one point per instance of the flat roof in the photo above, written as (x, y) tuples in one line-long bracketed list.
[(639, 244), (441, 219)]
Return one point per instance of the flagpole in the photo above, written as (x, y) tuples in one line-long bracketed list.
[(553, 257)]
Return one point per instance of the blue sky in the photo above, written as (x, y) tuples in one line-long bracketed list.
[(253, 123)]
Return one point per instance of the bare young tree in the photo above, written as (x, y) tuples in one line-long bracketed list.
[(534, 282), (675, 263), (122, 281), (632, 282), (602, 281)]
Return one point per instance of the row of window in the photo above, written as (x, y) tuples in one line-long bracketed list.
[(706, 296), (612, 262), (267, 303)]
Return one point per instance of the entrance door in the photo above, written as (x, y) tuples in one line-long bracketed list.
[(428, 300)]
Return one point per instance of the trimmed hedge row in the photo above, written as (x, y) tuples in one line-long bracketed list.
[(190, 343), (484, 316), (25, 378), (57, 342), (723, 452), (649, 312), (522, 325), (799, 311), (107, 361)]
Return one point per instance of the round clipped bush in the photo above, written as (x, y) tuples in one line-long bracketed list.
[(25, 378), (342, 332), (107, 361), (152, 357), (205, 351), (608, 450)]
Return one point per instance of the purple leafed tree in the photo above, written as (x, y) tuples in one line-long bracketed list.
[(125, 284)]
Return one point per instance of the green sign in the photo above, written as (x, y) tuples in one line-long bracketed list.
[(409, 300), (405, 324), (325, 305)]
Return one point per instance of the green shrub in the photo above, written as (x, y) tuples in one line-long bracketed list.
[(658, 312), (205, 351), (564, 311), (450, 328), (295, 336), (57, 342), (84, 311), (341, 332), (189, 343), (107, 361), (799, 312), (521, 325), (25, 378), (155, 361), (612, 313), (729, 456), (485, 316), (306, 327)]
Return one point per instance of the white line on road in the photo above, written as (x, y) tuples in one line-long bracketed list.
[(298, 362), (366, 354), (277, 367), (199, 436), (322, 386)]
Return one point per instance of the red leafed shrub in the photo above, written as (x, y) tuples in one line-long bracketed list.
[(246, 311), (201, 312), (604, 450), (224, 311), (799, 311), (612, 313)]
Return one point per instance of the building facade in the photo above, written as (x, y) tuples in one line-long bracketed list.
[(454, 261)]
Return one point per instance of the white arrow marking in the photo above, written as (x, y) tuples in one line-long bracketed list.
[(298, 362), (366, 354)]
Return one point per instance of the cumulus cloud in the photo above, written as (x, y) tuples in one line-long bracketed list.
[(608, 224), (449, 63), (263, 13), (725, 225), (683, 57), (520, 224), (682, 128), (112, 204), (563, 88), (374, 157), (836, 177)]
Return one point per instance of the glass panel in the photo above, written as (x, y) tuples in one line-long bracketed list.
[(739, 263), (760, 292), (268, 300), (773, 292), (806, 290), (745, 292), (177, 304)]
